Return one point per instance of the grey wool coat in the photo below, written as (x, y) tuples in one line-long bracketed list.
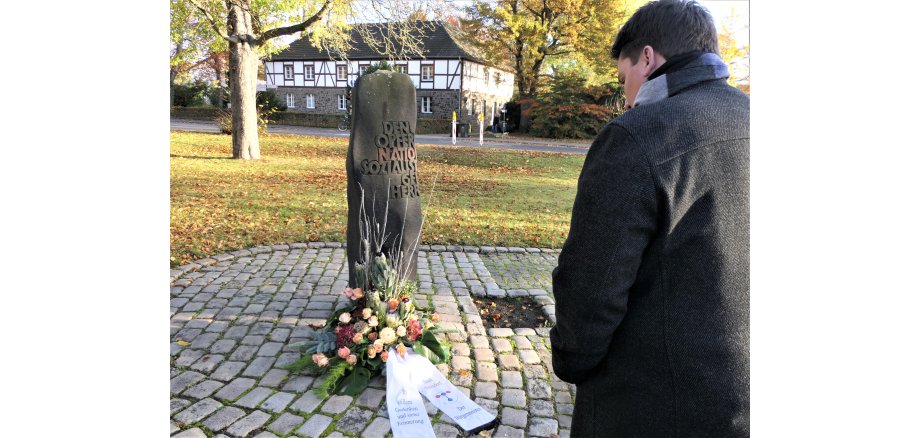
[(652, 285)]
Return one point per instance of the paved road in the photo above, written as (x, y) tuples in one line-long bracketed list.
[(433, 139)]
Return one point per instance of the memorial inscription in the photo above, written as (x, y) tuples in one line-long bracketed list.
[(396, 155)]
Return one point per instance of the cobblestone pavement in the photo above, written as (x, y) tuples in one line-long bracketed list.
[(238, 314), (518, 269)]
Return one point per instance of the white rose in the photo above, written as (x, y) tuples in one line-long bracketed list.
[(387, 336), (345, 318)]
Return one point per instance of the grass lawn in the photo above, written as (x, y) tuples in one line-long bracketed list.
[(297, 193)]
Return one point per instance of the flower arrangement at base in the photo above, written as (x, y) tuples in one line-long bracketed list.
[(355, 342)]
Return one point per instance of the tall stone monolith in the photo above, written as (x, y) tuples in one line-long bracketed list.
[(382, 161)]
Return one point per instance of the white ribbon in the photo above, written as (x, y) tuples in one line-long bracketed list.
[(410, 377)]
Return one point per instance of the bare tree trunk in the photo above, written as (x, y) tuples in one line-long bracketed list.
[(519, 68), (535, 71), (244, 63)]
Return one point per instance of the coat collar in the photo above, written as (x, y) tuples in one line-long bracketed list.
[(707, 67)]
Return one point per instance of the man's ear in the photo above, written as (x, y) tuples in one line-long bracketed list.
[(649, 60)]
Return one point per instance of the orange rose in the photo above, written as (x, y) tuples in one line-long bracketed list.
[(392, 304), (401, 349), (384, 356)]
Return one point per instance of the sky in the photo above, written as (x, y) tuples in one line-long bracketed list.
[(722, 9)]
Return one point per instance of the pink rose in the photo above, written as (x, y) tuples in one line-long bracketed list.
[(352, 359), (344, 352), (415, 329), (320, 359)]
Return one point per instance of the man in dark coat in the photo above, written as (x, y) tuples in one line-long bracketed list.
[(652, 286)]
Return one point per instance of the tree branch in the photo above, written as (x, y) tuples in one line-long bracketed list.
[(532, 11), (272, 33), (561, 52), (213, 22)]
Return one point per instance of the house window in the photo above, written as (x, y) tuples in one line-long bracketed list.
[(311, 101), (341, 100), (402, 68), (341, 72), (308, 72), (426, 105), (469, 107), (290, 100), (427, 72), (289, 72), (362, 69)]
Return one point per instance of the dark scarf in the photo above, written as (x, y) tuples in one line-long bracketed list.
[(678, 73), (675, 63)]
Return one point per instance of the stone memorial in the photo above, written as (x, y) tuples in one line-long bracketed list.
[(384, 204)]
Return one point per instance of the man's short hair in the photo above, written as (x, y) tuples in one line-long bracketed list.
[(671, 27)]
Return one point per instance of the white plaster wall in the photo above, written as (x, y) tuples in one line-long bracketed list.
[(325, 73)]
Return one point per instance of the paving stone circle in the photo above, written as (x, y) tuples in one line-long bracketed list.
[(235, 318)]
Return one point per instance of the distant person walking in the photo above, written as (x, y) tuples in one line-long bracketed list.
[(652, 286)]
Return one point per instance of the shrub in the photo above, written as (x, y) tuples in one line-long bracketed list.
[(513, 115), (571, 109), (582, 120), (383, 65), (216, 94), (191, 94), (270, 101)]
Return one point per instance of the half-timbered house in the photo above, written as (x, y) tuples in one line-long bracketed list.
[(448, 77)]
